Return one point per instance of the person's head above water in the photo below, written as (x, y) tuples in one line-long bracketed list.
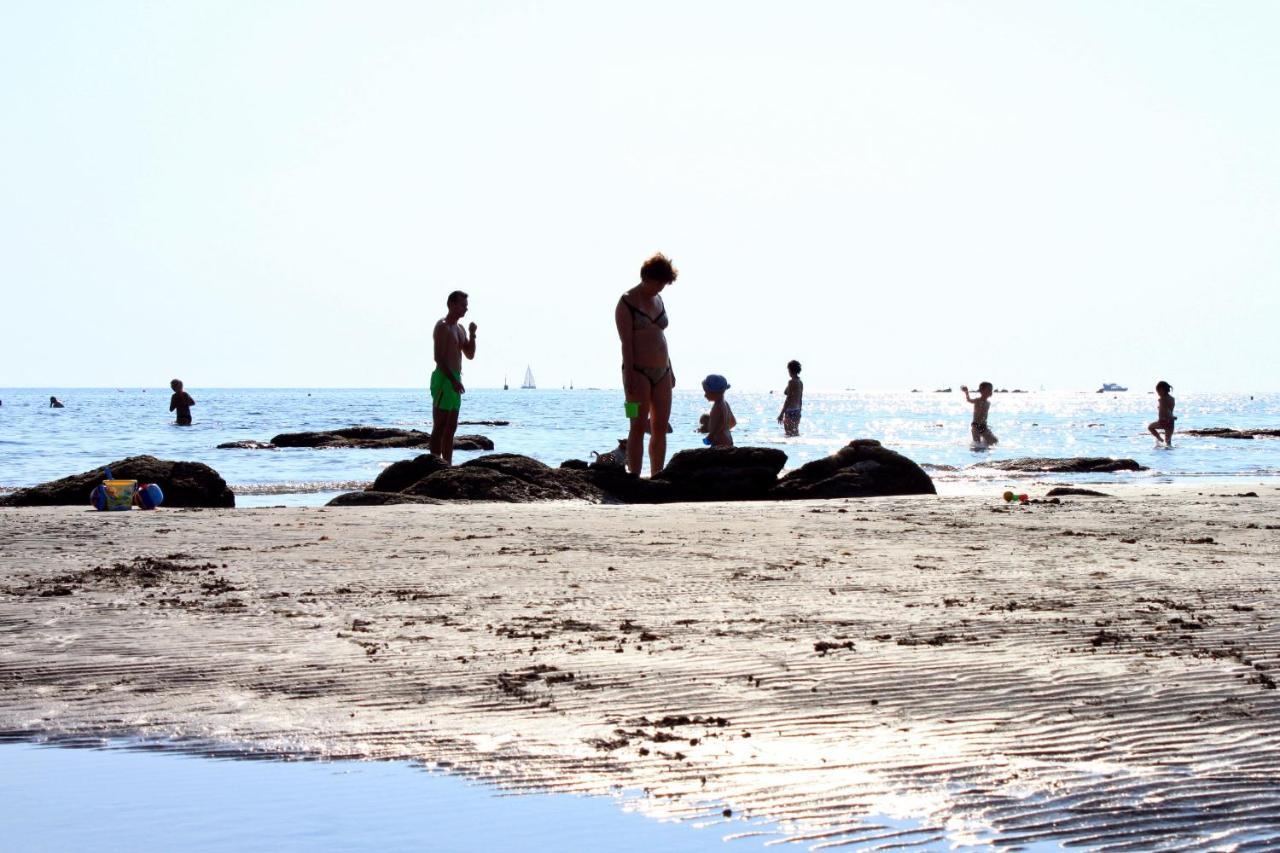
[(794, 367), (658, 270), (175, 384)]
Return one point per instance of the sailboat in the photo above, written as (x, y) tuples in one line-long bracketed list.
[(528, 378), (504, 382)]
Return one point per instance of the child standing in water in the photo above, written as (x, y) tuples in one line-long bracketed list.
[(981, 433), (1164, 414), (721, 421), (181, 402), (793, 397)]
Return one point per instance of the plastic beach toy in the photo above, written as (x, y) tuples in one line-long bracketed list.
[(150, 496), (632, 409)]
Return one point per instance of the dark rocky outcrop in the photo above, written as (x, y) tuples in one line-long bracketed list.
[(372, 498), (247, 444), (185, 484), (575, 464), (399, 476), (1073, 491), (862, 468), (505, 477), (484, 423), (1228, 432), (372, 437), (620, 487), (1070, 465), (723, 473)]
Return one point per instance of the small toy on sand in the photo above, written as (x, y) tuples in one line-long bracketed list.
[(1010, 497)]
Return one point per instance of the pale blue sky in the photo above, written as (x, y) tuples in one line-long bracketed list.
[(900, 194)]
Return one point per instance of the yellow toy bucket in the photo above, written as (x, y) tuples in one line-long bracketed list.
[(119, 493)]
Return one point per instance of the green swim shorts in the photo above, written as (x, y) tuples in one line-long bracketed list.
[(443, 396)]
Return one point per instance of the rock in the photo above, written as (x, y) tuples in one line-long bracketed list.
[(1072, 491), (946, 390), (399, 476), (506, 477), (371, 437), (1072, 465), (484, 423), (575, 464), (620, 487), (862, 468), (723, 473), (247, 444), (372, 498), (185, 484), (1228, 432)]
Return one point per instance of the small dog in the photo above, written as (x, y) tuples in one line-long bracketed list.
[(615, 458)]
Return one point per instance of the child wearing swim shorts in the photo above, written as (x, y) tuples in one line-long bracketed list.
[(978, 429)]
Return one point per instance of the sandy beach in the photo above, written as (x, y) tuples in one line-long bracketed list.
[(1098, 671)]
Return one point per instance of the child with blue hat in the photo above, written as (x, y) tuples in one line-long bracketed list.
[(720, 422)]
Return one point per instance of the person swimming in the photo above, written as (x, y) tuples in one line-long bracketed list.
[(55, 403)]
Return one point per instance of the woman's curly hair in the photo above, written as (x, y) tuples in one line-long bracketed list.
[(659, 269)]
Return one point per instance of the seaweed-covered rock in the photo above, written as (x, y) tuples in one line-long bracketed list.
[(247, 444), (1229, 432), (374, 498), (1070, 465), (399, 476), (1074, 491), (723, 473), (506, 477), (862, 468), (620, 487), (373, 437), (185, 484)]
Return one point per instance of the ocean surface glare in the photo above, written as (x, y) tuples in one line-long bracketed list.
[(101, 425)]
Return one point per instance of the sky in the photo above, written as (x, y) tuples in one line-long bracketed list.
[(900, 195)]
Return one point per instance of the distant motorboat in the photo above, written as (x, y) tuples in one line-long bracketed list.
[(1111, 386), (528, 378)]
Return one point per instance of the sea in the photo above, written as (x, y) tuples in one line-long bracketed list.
[(99, 425)]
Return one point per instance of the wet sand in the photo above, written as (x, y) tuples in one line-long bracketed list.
[(1099, 671)]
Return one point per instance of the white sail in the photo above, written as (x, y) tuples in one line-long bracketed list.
[(528, 378)]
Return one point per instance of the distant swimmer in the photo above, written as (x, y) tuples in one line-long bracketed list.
[(1164, 414), (451, 343), (647, 378), (180, 402), (793, 398), (55, 403), (978, 429)]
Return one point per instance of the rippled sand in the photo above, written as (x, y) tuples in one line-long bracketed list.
[(1096, 672)]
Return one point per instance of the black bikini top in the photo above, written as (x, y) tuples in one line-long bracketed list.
[(641, 320)]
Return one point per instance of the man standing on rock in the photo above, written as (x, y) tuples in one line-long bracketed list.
[(451, 344)]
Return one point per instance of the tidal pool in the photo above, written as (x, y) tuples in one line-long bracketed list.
[(129, 799)]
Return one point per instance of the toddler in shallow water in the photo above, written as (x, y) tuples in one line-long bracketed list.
[(1164, 414), (979, 430)]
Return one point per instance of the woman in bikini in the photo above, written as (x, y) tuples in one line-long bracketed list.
[(646, 367)]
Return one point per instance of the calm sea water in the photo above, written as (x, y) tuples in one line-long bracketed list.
[(100, 425)]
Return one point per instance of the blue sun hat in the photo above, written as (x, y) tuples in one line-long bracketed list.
[(715, 382)]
